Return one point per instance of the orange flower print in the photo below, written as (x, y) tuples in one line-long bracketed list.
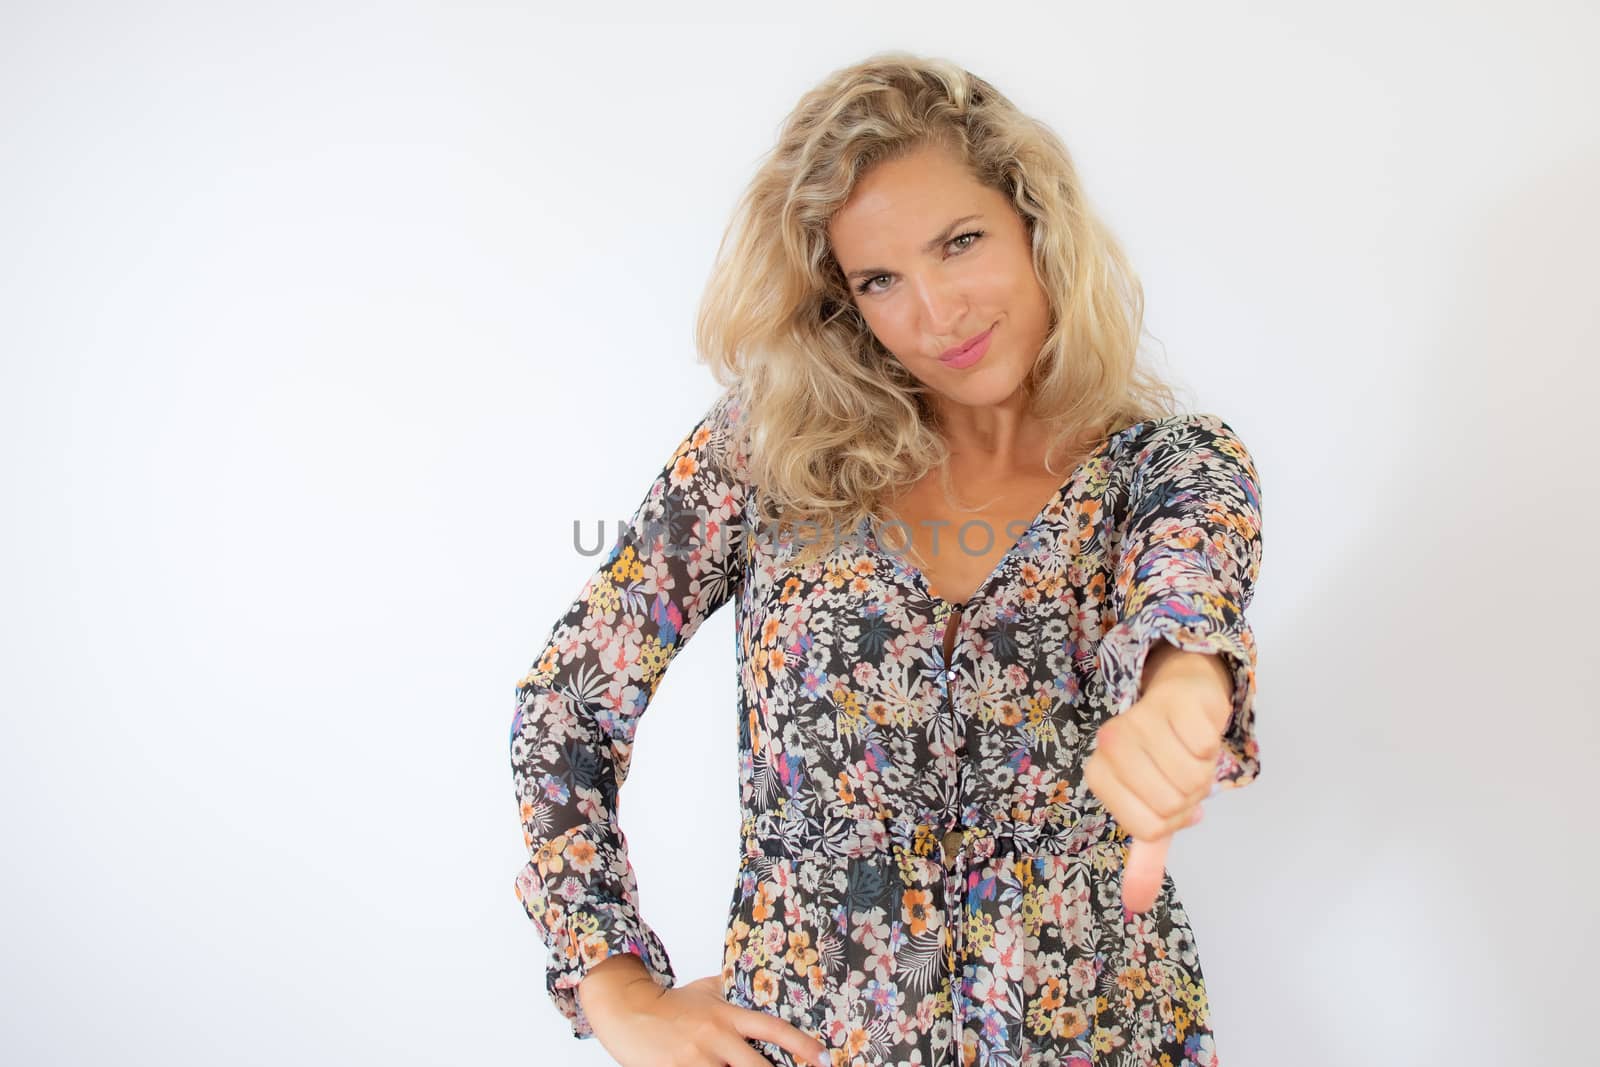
[(684, 470), (763, 903), (914, 909), (836, 575), (764, 987), (801, 955), (592, 950), (548, 857), (817, 980), (1071, 1022), (854, 1044), (581, 854), (846, 793), (1134, 980)]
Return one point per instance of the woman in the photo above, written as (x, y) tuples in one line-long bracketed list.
[(961, 758)]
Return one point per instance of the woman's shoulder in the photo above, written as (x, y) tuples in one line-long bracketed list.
[(1185, 446), (723, 432), (1180, 430)]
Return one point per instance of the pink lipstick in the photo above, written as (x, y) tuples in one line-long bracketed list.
[(968, 354)]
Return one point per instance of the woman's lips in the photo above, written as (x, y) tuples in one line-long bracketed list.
[(969, 355)]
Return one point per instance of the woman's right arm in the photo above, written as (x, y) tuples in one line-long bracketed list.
[(676, 562), (577, 708)]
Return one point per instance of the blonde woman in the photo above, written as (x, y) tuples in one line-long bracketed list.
[(990, 590)]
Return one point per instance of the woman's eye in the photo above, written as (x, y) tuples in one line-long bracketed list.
[(973, 234), (866, 284)]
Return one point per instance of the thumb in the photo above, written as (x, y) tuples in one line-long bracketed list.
[(1143, 873)]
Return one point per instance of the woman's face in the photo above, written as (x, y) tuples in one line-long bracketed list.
[(934, 259)]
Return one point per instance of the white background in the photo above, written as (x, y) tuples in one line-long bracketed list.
[(320, 325)]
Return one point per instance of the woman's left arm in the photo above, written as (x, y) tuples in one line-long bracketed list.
[(1187, 565), (1179, 660)]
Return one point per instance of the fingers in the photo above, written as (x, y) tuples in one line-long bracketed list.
[(736, 1053), (1194, 726), (1143, 771), (1184, 747), (764, 1027), (1145, 870), (1146, 771), (1111, 788)]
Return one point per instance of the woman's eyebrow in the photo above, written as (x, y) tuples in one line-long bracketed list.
[(944, 235)]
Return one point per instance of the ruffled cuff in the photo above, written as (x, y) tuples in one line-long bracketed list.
[(582, 932), (1184, 621)]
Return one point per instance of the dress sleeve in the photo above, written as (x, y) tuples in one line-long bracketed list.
[(1186, 571), (675, 562)]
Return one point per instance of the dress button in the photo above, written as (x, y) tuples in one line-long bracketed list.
[(952, 845)]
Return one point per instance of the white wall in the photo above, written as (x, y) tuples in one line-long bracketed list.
[(318, 326)]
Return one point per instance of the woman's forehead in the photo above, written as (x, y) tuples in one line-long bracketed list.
[(908, 210)]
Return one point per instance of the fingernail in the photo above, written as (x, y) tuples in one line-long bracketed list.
[(824, 1058)]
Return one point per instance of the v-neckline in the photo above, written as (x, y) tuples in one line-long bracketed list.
[(959, 607)]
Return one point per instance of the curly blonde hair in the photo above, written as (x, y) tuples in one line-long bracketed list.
[(833, 425)]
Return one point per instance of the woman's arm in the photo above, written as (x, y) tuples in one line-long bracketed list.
[(577, 708), (1188, 559)]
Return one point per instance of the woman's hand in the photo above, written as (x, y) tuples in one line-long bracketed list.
[(1154, 764), (642, 1025)]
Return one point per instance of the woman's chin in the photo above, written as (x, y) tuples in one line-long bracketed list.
[(983, 387)]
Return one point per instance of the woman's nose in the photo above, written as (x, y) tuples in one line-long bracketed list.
[(943, 307)]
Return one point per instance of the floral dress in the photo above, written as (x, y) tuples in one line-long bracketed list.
[(924, 878)]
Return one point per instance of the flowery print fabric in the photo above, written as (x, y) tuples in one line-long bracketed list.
[(924, 879)]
